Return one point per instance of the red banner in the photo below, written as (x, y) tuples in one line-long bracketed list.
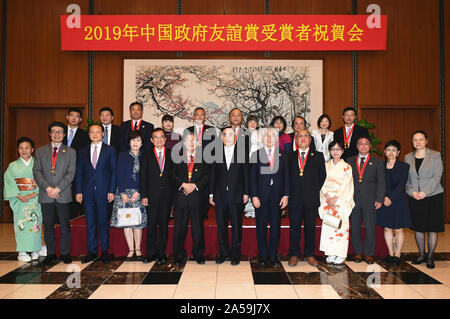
[(222, 33)]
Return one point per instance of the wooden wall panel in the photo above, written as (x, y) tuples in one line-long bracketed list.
[(447, 101)]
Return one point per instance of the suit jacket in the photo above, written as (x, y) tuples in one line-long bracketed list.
[(152, 185), (200, 177), (80, 139), (373, 186), (289, 147), (209, 136), (395, 186), (358, 132), (261, 176), (65, 167), (236, 179), (243, 141), (116, 138), (100, 181), (306, 189), (146, 128), (430, 173)]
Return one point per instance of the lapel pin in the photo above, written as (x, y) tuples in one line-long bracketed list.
[(312, 154), (64, 151), (370, 163), (196, 170)]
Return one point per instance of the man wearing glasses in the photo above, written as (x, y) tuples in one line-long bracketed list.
[(54, 170)]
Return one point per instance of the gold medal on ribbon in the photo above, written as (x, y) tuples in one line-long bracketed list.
[(301, 173)]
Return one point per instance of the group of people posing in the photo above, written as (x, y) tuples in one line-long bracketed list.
[(263, 172)]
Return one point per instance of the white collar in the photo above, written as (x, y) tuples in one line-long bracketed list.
[(306, 151), (27, 163)]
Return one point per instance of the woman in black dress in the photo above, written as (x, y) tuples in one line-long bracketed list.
[(426, 195), (394, 215)]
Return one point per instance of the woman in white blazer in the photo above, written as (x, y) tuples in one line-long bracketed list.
[(323, 136), (426, 195)]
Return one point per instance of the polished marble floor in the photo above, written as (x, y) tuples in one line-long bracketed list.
[(135, 280)]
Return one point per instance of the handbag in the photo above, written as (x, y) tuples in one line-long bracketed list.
[(332, 221), (127, 217)]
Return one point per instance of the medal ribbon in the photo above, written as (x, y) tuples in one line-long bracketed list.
[(302, 164), (271, 160), (361, 172), (54, 157), (163, 159), (199, 137), (190, 166), (138, 126), (347, 138)]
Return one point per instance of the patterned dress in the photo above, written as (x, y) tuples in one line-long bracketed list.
[(339, 182)]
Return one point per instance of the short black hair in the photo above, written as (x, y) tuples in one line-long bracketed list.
[(106, 109), (252, 117), (349, 108), (96, 124), (167, 117), (225, 127), (199, 108), (420, 132), (279, 117), (24, 139), (298, 117), (135, 134), (56, 123), (75, 109), (158, 129), (323, 116), (394, 143), (363, 137), (335, 142), (137, 103), (229, 114)]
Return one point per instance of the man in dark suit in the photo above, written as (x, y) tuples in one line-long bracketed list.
[(229, 189), (269, 190), (369, 183), (156, 192), (76, 138), (298, 123), (307, 175), (204, 135), (95, 184), (349, 133), (54, 170), (190, 177), (112, 132), (136, 123)]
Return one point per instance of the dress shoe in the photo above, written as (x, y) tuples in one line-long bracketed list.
[(200, 260), (293, 260), (369, 260), (105, 258), (178, 262), (89, 257), (262, 261), (389, 259), (358, 258), (220, 260), (47, 260), (419, 260), (161, 260), (312, 261), (430, 264), (235, 261), (275, 261), (148, 259), (396, 260), (66, 259)]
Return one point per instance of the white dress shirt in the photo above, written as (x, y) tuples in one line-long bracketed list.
[(109, 129), (300, 151), (229, 150)]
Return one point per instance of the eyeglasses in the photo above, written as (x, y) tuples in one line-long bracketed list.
[(335, 149), (56, 132)]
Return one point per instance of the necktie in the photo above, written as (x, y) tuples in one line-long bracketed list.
[(69, 140), (270, 152), (302, 156), (191, 158), (160, 159), (94, 157), (361, 163), (55, 151), (105, 138), (136, 126)]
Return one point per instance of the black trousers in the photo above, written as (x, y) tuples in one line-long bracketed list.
[(269, 212), (297, 214), (181, 219), (157, 227), (229, 212), (367, 213), (50, 213)]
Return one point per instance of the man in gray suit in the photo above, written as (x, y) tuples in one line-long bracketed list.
[(369, 182), (54, 169)]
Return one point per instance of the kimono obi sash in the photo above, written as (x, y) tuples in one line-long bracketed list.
[(26, 184)]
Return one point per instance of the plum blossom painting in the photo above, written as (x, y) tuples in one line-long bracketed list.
[(265, 88)]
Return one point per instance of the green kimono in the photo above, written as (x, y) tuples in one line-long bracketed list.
[(27, 216)]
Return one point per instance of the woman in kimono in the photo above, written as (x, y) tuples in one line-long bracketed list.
[(336, 198), (22, 193)]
